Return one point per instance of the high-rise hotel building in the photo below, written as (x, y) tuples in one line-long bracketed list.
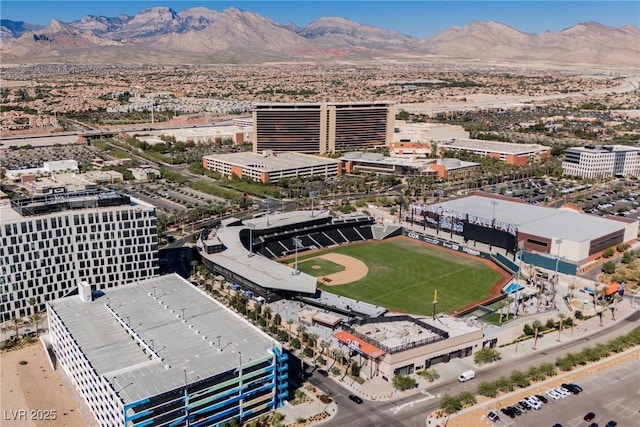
[(50, 244), (323, 128)]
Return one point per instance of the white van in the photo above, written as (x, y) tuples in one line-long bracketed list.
[(466, 376)]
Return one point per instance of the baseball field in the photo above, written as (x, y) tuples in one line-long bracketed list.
[(401, 274)]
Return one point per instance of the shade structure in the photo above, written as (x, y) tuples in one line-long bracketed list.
[(612, 289)]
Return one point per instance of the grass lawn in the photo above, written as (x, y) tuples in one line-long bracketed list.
[(403, 275), (325, 267)]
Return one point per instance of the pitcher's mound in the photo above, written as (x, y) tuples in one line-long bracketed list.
[(354, 269)]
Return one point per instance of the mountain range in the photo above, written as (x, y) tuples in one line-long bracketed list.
[(200, 35)]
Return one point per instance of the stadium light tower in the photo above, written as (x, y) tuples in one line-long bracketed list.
[(494, 203), (555, 281), (251, 227)]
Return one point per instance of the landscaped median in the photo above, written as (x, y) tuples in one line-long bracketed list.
[(474, 414)]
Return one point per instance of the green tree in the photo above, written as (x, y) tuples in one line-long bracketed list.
[(609, 267), (608, 253), (295, 343), (520, 379), (429, 374), (450, 404), (403, 382), (488, 389), (486, 355), (355, 370), (548, 369), (467, 398)]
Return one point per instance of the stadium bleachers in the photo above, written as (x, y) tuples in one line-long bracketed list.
[(279, 242)]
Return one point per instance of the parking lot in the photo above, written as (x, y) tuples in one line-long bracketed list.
[(612, 395)]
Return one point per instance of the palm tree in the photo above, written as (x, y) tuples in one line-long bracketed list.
[(15, 326), (313, 340), (501, 305), (289, 323), (35, 318), (338, 356), (301, 329), (562, 316), (32, 303), (267, 313), (194, 264), (323, 346)]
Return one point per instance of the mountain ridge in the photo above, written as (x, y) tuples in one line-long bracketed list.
[(201, 35)]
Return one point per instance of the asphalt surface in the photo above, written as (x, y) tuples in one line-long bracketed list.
[(411, 411)]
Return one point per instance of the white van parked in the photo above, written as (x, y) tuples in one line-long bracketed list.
[(466, 376)]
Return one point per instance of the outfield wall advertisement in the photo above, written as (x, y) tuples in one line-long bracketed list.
[(446, 244), (491, 232)]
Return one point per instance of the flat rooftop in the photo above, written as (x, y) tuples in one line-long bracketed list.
[(272, 162), (153, 309), (537, 220), (492, 146), (8, 214)]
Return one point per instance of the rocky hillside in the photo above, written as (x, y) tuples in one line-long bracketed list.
[(200, 35)]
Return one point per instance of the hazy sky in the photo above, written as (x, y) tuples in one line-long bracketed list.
[(419, 18)]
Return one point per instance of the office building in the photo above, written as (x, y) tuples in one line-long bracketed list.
[(161, 352), (271, 167), (597, 161), (322, 128), (510, 153), (51, 243)]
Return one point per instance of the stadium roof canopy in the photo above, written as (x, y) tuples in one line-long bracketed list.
[(536, 220), (259, 269), (207, 342)]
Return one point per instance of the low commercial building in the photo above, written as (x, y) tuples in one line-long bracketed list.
[(235, 135), (514, 154), (598, 161), (379, 164), (417, 139), (269, 166), (400, 345), (48, 168), (163, 353)]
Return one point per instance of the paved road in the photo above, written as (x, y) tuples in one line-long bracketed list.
[(411, 411)]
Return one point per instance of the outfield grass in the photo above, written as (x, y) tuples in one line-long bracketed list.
[(403, 275), (325, 267)]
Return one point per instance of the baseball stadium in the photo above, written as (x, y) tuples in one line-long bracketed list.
[(383, 281)]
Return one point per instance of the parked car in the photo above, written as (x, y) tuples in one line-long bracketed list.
[(517, 410), (542, 399), (493, 416), (355, 398), (590, 416), (611, 423), (524, 405), (535, 405), (573, 388), (554, 394), (508, 412), (323, 372), (562, 392)]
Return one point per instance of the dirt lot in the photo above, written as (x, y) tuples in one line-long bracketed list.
[(33, 394)]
